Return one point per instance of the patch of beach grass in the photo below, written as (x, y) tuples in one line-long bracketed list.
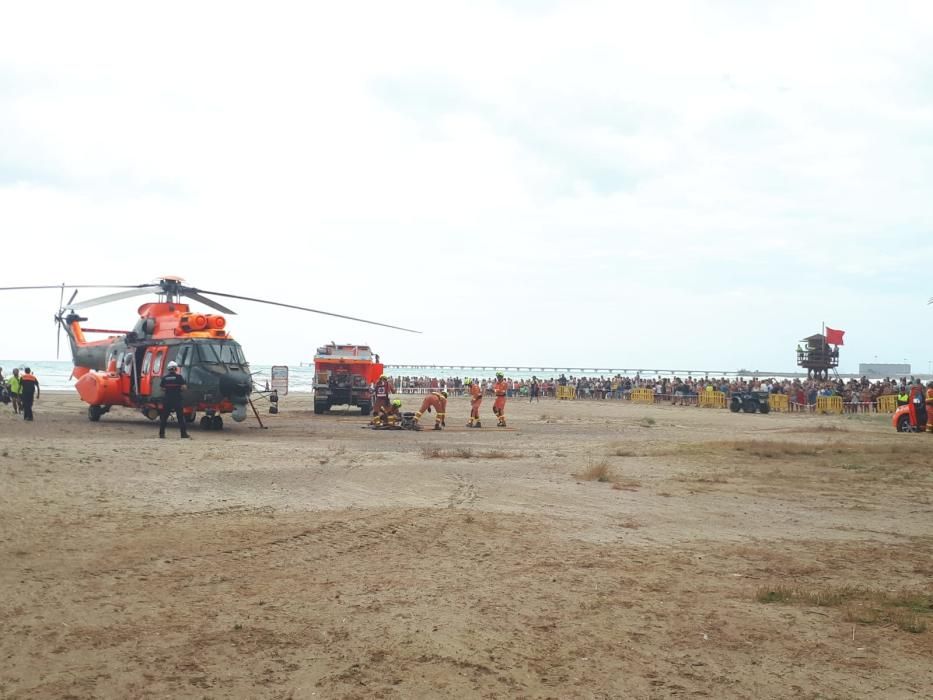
[(820, 429), (465, 453), (909, 611), (626, 484)]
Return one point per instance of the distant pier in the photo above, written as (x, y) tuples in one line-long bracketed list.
[(610, 371)]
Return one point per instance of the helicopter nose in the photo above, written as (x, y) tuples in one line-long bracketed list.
[(236, 385)]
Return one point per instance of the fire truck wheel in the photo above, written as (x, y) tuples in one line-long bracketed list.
[(736, 405), (320, 407), (217, 423), (205, 423), (189, 417), (94, 413), (903, 424), (366, 409)]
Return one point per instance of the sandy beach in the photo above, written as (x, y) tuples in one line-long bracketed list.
[(593, 550)]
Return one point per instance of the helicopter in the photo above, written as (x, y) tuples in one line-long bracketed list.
[(125, 368)]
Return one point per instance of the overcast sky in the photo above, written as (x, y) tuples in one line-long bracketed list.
[(685, 185)]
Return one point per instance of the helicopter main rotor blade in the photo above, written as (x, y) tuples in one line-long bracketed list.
[(207, 302), (305, 308), (116, 296), (76, 286)]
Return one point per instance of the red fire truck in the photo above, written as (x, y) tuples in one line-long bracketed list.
[(343, 376)]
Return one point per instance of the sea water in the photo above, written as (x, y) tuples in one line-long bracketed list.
[(56, 375)]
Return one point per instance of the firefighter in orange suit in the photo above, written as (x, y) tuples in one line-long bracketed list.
[(929, 403), (381, 393), (476, 398), (438, 401), (389, 415), (501, 389)]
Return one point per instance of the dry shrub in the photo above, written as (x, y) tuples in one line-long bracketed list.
[(596, 471)]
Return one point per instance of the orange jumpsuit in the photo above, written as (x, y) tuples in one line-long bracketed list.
[(476, 398), (439, 404), (388, 415), (929, 403), (500, 388), (383, 389)]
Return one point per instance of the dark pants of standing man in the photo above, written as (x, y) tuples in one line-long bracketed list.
[(27, 406), (168, 409)]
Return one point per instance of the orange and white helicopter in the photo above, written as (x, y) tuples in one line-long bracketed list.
[(125, 368)]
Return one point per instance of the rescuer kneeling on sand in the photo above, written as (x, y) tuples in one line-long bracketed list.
[(501, 389), (438, 401), (389, 415), (382, 390)]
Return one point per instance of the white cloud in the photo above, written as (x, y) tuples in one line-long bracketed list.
[(692, 183)]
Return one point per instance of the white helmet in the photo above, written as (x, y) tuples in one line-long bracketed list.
[(172, 365)]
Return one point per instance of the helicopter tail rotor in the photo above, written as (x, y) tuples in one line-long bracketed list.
[(58, 329), (59, 318)]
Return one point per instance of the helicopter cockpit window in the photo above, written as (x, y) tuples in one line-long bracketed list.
[(221, 353), (230, 354), (182, 357)]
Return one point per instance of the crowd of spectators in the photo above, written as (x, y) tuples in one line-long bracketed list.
[(801, 393)]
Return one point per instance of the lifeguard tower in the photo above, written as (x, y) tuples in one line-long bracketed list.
[(817, 356)]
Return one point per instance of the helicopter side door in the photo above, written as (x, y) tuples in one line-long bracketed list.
[(153, 362)]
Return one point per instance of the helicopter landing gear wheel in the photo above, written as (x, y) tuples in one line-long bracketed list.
[(217, 423), (205, 423), (94, 413)]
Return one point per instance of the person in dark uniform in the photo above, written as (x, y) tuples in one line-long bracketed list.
[(172, 384), (535, 390), (30, 392)]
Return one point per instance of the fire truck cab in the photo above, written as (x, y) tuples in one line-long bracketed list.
[(343, 376)]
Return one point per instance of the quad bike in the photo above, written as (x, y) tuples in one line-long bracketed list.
[(750, 402)]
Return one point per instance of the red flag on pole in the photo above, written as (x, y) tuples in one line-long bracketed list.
[(834, 337)]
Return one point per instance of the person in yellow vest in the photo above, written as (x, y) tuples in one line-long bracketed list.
[(902, 396), (16, 390)]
